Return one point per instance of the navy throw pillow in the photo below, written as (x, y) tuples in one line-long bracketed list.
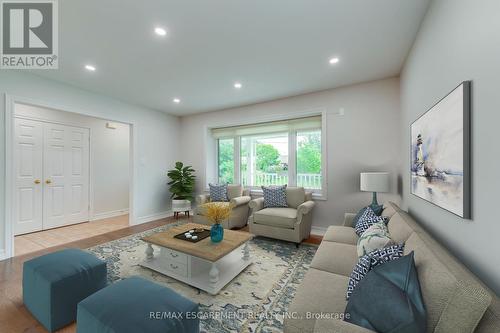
[(389, 299), (274, 196), (367, 219), (358, 215), (218, 192)]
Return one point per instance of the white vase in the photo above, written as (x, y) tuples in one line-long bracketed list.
[(181, 205)]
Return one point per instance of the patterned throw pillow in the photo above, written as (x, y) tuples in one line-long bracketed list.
[(375, 237), (274, 196), (358, 216), (371, 260), (367, 219), (218, 192)]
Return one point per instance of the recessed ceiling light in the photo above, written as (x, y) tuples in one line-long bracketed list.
[(90, 68), (160, 31), (238, 85), (176, 100), (333, 61)]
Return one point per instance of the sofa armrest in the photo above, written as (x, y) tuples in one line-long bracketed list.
[(332, 325), (257, 204), (238, 201), (305, 208), (349, 219), (202, 198)]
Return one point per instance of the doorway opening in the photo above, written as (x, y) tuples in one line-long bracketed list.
[(71, 177)]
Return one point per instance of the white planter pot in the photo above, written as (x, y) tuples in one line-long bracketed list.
[(181, 205)]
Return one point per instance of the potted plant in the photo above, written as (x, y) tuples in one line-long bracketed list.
[(216, 213), (182, 187)]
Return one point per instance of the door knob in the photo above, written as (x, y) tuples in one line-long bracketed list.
[(48, 181), (37, 181)]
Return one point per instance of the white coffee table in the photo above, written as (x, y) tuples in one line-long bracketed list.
[(205, 265)]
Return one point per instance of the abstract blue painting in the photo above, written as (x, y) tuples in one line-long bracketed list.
[(440, 143)]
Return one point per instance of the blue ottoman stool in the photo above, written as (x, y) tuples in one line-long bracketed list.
[(136, 305), (53, 285)]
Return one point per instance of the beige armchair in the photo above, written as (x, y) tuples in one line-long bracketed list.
[(292, 223), (238, 197)]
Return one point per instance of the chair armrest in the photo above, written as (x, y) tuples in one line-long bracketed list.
[(238, 201), (257, 204), (202, 198), (332, 325), (305, 208), (349, 219)]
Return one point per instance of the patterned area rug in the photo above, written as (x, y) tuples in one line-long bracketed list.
[(254, 301)]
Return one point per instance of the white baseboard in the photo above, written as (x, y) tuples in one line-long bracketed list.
[(3, 255), (154, 217), (320, 231), (107, 215)]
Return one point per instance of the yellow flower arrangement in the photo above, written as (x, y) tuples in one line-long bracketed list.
[(216, 212)]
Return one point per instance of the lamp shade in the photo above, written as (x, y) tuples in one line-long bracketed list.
[(374, 181)]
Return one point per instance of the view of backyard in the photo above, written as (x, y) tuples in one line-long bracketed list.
[(264, 160)]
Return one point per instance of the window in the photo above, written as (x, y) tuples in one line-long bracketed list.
[(264, 159), (309, 159), (226, 160), (275, 153)]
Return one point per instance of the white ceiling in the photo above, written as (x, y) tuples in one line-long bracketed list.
[(275, 48)]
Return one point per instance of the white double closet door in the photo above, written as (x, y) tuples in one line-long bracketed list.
[(51, 164)]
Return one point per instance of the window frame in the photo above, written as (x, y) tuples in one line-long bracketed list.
[(318, 194)]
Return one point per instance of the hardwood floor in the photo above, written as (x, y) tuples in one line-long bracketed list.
[(36, 241), (15, 318)]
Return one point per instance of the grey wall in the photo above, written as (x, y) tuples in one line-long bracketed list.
[(459, 40), (366, 138), (109, 157)]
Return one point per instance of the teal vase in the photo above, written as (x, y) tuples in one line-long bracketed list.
[(216, 233)]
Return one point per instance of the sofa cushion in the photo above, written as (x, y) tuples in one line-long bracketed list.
[(389, 209), (341, 234), (327, 325), (234, 191), (375, 237), (389, 299), (295, 196), (399, 228), (218, 192), (320, 293), (335, 258), (274, 196), (453, 305), (276, 217)]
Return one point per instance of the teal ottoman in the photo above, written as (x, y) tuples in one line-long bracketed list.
[(53, 285), (136, 305)]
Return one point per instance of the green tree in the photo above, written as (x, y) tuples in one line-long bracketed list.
[(226, 161), (309, 153), (268, 157)]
